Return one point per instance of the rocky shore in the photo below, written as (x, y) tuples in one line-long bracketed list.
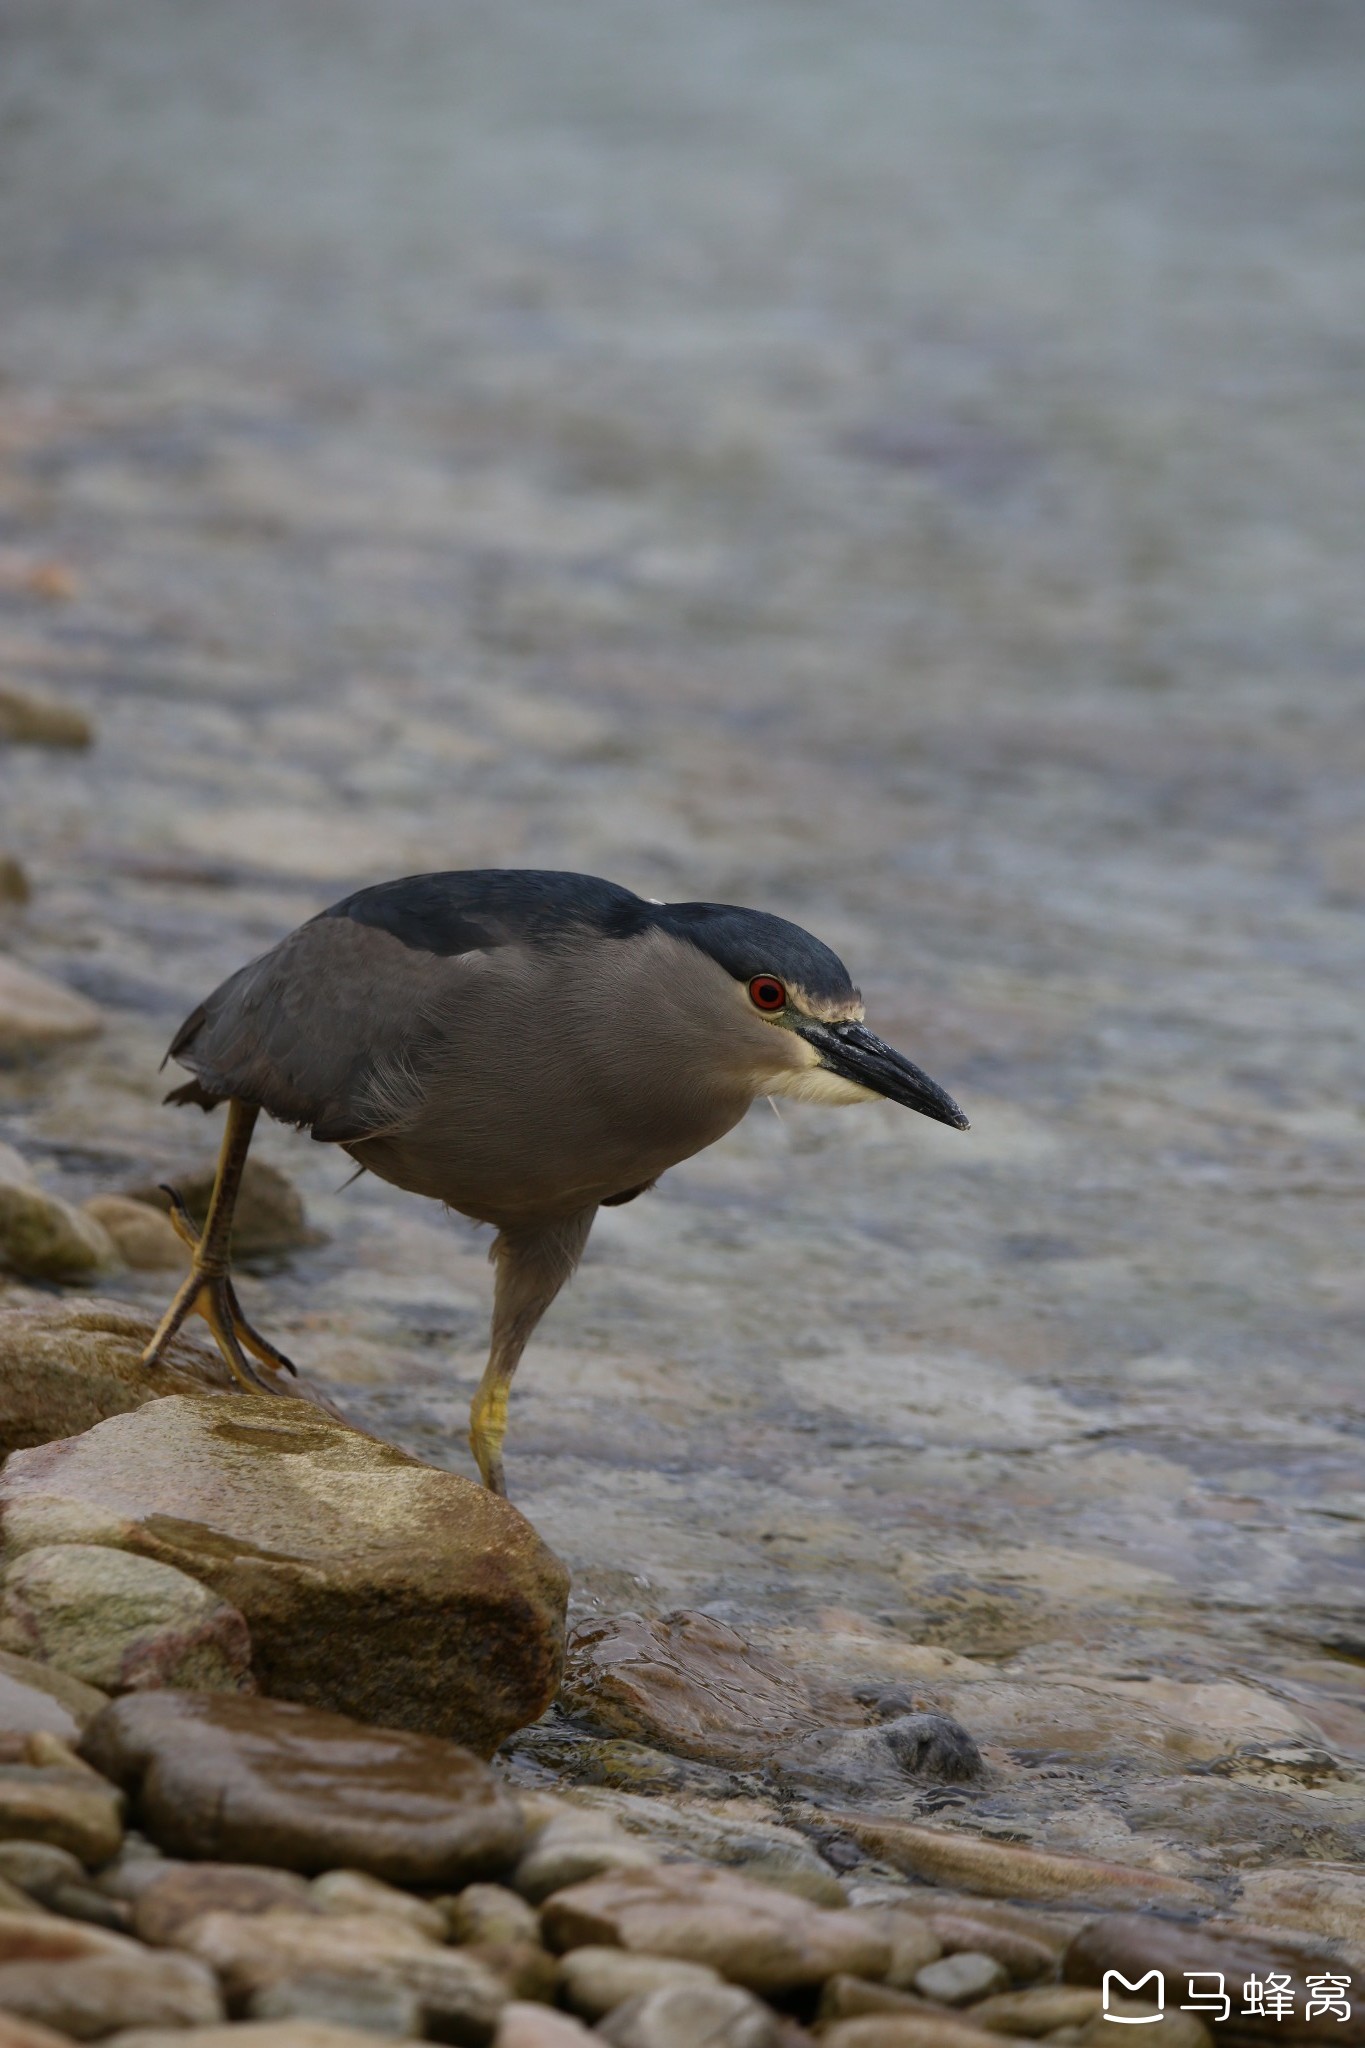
[(253, 1662)]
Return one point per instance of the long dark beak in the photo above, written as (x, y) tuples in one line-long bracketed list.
[(857, 1054)]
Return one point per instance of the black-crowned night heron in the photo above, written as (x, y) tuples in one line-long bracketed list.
[(527, 1048)]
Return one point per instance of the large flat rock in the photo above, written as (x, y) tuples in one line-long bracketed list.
[(370, 1583), (234, 1779), (66, 1365)]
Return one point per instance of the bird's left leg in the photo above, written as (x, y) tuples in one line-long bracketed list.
[(532, 1266), (208, 1290), (182, 1223)]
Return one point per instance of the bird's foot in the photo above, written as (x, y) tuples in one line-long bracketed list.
[(208, 1291)]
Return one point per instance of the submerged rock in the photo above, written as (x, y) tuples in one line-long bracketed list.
[(38, 1015), (370, 1583), (689, 1684), (881, 1762), (263, 1781), (120, 1621), (1007, 1871)]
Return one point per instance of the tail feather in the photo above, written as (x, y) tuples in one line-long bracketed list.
[(195, 1093)]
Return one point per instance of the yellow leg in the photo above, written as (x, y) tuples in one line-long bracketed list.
[(488, 1427), (207, 1290), (532, 1265)]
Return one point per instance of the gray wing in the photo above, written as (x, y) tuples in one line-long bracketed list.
[(337, 1030)]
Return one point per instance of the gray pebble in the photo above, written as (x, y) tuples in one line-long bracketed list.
[(595, 1981), (933, 1746), (364, 2003), (692, 2016), (962, 1978), (38, 1868)]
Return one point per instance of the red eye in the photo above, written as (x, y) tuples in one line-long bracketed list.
[(765, 993)]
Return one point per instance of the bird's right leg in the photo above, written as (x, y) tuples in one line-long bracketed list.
[(532, 1266), (208, 1290)]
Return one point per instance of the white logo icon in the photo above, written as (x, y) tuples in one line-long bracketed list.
[(1111, 1979)]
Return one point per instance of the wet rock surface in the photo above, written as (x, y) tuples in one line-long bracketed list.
[(267, 1781), (323, 1539), (66, 1365), (689, 1684)]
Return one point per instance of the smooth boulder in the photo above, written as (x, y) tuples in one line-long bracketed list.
[(764, 1939), (47, 1795), (268, 1218), (241, 1780), (66, 1365), (143, 1236), (39, 1016), (370, 1583), (121, 1622), (44, 1238)]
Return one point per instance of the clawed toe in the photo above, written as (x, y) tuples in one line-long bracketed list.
[(209, 1292)]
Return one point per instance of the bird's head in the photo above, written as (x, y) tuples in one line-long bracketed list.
[(797, 1017)]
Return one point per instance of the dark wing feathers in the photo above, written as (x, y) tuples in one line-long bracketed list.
[(331, 1031), (336, 1029)]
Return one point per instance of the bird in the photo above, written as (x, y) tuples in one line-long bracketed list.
[(526, 1047)]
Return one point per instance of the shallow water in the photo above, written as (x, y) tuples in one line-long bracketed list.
[(898, 466)]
